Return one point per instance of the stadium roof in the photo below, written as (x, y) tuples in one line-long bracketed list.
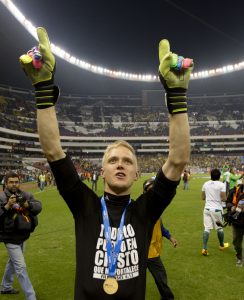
[(125, 35)]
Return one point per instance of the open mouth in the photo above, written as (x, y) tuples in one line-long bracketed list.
[(120, 175)]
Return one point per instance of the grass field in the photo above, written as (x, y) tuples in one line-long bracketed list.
[(50, 252)]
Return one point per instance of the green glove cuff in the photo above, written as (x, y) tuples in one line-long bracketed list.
[(176, 101), (46, 95), (175, 98)]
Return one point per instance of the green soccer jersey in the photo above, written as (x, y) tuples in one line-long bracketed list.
[(233, 180)]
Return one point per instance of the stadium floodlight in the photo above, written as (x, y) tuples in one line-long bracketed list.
[(105, 71)]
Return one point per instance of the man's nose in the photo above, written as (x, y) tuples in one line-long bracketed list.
[(120, 164)]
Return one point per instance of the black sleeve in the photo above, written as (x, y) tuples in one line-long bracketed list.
[(2, 210), (164, 186), (229, 199), (64, 173), (3, 201), (154, 202), (75, 193)]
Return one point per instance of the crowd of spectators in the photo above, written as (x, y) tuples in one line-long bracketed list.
[(124, 115), (198, 163), (119, 116), (147, 164)]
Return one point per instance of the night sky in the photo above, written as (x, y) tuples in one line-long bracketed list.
[(124, 35)]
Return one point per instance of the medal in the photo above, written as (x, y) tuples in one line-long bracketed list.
[(110, 286)]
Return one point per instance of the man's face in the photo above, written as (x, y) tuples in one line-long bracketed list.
[(13, 184), (119, 171)]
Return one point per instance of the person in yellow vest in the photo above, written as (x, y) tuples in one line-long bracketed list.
[(154, 262), (42, 180)]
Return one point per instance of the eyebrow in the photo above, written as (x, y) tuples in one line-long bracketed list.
[(112, 157), (123, 158)]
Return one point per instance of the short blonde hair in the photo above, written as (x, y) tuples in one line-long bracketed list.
[(116, 144)]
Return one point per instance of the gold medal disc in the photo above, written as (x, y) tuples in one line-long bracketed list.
[(110, 286)]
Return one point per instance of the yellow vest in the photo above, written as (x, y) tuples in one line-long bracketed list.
[(42, 178), (156, 241)]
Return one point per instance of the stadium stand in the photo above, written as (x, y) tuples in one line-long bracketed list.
[(89, 123)]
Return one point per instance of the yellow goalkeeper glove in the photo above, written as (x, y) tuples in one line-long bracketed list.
[(174, 74), (42, 78)]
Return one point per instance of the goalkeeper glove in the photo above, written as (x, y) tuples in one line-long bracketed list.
[(174, 74), (42, 77)]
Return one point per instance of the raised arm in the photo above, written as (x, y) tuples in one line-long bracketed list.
[(179, 147), (49, 137), (174, 74), (46, 95)]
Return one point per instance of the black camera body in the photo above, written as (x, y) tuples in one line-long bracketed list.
[(228, 218), (20, 199)]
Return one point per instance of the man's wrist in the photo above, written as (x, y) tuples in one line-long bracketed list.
[(175, 98), (176, 101), (46, 95)]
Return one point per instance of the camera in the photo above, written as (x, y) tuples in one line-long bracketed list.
[(20, 199), (227, 220), (232, 215), (238, 209)]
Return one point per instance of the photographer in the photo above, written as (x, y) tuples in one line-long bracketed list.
[(18, 218), (235, 207)]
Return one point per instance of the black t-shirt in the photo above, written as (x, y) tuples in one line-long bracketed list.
[(91, 257)]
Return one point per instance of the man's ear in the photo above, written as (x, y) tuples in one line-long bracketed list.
[(102, 173), (137, 175)]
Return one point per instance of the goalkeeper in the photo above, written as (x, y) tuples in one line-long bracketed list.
[(112, 232)]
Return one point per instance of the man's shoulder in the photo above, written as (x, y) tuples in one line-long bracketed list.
[(207, 183), (217, 184), (27, 195), (220, 183), (3, 196)]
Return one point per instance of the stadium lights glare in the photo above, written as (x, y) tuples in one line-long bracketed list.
[(105, 71)]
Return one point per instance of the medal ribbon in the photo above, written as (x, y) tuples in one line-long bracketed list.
[(112, 253)]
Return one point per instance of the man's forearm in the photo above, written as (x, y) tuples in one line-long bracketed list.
[(179, 147), (48, 131)]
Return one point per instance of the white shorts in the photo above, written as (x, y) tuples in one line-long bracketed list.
[(211, 217)]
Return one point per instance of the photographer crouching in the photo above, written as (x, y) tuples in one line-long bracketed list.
[(235, 217), (18, 218)]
